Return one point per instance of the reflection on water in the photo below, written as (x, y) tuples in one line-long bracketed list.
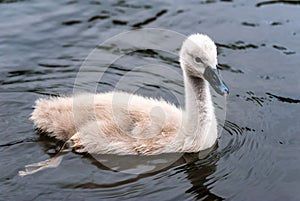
[(43, 44)]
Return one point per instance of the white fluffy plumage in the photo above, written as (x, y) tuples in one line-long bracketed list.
[(123, 123)]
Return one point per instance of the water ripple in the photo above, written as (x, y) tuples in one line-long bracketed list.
[(149, 20), (250, 96), (264, 3), (229, 68), (98, 17), (71, 22), (238, 45), (250, 24), (283, 49), (232, 128), (283, 99)]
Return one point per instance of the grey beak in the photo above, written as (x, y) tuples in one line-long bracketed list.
[(215, 80)]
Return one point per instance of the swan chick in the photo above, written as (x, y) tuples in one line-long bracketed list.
[(123, 123)]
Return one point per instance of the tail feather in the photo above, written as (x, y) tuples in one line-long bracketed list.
[(55, 119)]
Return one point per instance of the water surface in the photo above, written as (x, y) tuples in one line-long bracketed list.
[(43, 44)]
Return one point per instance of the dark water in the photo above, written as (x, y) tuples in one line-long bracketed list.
[(43, 44)]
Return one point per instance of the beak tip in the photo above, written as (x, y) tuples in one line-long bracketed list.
[(226, 94), (224, 91)]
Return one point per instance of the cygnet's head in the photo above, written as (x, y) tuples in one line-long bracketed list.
[(197, 52), (198, 58)]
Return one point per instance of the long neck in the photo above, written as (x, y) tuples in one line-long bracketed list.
[(199, 112)]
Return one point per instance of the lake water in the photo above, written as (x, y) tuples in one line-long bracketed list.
[(44, 43)]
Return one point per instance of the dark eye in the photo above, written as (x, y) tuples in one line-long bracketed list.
[(198, 60)]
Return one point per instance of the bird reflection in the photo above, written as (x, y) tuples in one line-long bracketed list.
[(198, 173), (196, 166)]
